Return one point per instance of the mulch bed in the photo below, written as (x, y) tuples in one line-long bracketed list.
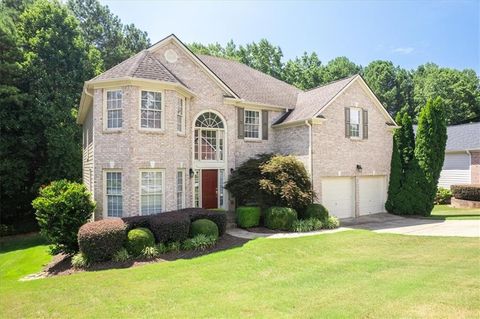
[(61, 265)]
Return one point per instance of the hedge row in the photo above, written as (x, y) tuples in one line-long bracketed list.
[(100, 240), (466, 192)]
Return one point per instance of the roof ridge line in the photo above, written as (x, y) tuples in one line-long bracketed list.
[(134, 68), (333, 82)]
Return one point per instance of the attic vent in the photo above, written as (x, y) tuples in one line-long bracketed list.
[(171, 56)]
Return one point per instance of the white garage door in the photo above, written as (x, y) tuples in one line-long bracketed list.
[(338, 196), (372, 194)]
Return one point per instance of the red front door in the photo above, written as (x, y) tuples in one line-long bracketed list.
[(209, 188)]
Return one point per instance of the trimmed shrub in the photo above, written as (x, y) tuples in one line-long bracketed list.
[(137, 222), (100, 240), (443, 196), (138, 239), (199, 242), (331, 222), (79, 260), (61, 209), (218, 217), (317, 211), (280, 218), (170, 226), (121, 256), (205, 227), (286, 182), (304, 225), (466, 192), (150, 252), (248, 216)]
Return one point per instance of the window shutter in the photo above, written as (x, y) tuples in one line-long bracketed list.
[(264, 125), (241, 124), (347, 122), (365, 124)]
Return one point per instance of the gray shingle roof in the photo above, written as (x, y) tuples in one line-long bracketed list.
[(311, 102), (250, 84), (142, 65), (463, 137)]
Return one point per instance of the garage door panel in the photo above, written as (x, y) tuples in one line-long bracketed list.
[(338, 196), (372, 194)]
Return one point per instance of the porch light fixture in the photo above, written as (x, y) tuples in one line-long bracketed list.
[(359, 168), (191, 172)]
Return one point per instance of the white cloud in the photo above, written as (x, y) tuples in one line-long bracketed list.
[(403, 50)]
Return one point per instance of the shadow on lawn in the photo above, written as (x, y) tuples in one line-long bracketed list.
[(19, 242)]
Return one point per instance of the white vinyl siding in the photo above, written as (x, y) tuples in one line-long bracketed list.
[(113, 194), (114, 109), (252, 124), (151, 110), (455, 170), (151, 192)]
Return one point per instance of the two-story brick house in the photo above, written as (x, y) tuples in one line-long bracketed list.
[(164, 129)]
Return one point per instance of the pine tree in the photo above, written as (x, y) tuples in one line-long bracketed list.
[(405, 138), (394, 183), (430, 146)]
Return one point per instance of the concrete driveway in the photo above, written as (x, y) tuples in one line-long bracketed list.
[(387, 223)]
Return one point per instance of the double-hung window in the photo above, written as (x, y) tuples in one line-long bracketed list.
[(180, 189), (151, 110), (114, 196), (114, 109), (252, 122), (181, 115), (355, 122), (151, 192)]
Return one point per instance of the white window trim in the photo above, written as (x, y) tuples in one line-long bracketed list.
[(105, 195), (360, 122), (143, 170), (184, 121), (105, 111), (199, 172), (183, 171), (162, 110), (260, 129)]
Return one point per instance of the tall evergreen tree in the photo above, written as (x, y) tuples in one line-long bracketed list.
[(395, 180), (430, 145), (405, 139)]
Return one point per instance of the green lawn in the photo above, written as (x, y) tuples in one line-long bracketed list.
[(446, 212), (346, 274)]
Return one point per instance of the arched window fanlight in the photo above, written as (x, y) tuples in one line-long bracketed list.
[(209, 120)]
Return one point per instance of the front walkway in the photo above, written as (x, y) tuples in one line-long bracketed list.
[(386, 223)]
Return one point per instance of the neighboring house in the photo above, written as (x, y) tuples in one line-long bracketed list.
[(462, 155), (165, 128)]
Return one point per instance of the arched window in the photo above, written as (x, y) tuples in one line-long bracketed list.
[(209, 139)]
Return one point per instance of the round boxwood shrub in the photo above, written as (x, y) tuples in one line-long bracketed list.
[(61, 209), (317, 211), (100, 240), (205, 227), (280, 218), (248, 216), (138, 239)]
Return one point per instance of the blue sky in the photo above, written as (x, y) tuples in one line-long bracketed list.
[(408, 33)]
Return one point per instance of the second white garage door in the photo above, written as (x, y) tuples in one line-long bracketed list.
[(338, 196), (372, 194)]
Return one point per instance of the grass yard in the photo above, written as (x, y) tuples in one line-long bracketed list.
[(447, 212), (346, 274)]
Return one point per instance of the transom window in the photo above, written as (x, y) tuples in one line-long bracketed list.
[(355, 120), (209, 138), (151, 110), (114, 194), (114, 109), (151, 192), (180, 115), (252, 124)]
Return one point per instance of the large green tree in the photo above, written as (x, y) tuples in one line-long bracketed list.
[(395, 180), (101, 28), (339, 68), (305, 72), (460, 91), (430, 145)]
